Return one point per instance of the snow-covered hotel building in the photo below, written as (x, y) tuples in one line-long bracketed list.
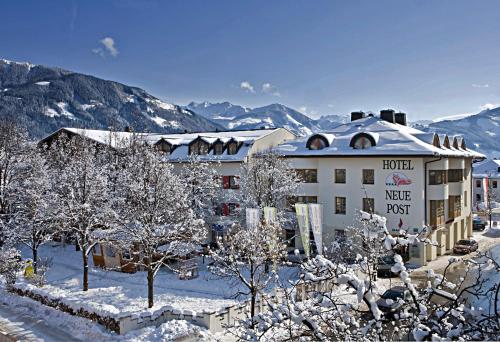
[(377, 164)]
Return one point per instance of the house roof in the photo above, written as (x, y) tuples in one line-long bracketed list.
[(390, 139), (180, 140), (487, 168)]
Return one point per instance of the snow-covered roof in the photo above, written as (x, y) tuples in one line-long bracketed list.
[(181, 140), (389, 138), (487, 168)]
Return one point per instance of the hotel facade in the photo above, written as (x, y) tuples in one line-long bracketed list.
[(375, 164)]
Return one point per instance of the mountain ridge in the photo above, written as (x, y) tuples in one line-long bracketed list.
[(45, 99)]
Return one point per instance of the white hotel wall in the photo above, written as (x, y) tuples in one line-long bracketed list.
[(413, 220), (354, 190)]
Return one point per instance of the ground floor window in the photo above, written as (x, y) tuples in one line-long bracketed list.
[(97, 250), (436, 212), (415, 251), (110, 251)]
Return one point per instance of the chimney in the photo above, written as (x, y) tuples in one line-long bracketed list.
[(387, 115), (357, 115), (400, 118)]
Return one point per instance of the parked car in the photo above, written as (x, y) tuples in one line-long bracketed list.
[(465, 246), (385, 264), (478, 224), (389, 301)]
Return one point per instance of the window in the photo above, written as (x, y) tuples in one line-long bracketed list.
[(494, 184), (340, 176), (126, 255), (340, 205), (164, 147), (454, 206), (300, 199), (199, 147), (478, 183), (227, 209), (437, 177), (368, 205), (232, 148), (110, 251), (436, 213), (455, 175), (230, 182), (478, 197), (368, 176), (307, 175), (97, 250), (218, 148), (414, 251), (340, 234), (290, 237), (465, 198), (317, 144)]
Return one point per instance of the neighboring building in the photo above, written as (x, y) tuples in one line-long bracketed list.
[(486, 180), (414, 179), (228, 150)]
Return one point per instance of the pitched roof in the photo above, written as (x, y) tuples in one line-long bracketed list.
[(392, 139)]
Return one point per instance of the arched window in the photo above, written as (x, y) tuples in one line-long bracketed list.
[(317, 142), (362, 141)]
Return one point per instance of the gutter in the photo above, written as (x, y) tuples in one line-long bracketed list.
[(425, 188)]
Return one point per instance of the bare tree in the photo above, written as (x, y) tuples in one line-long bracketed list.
[(157, 215), (243, 256), (35, 204), (267, 180), (84, 202), (320, 306), (13, 143)]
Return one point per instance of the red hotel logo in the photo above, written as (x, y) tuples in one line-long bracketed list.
[(397, 179)]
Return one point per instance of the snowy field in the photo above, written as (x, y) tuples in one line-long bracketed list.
[(117, 294)]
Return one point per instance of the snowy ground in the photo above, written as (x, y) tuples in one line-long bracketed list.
[(27, 320), (117, 294)]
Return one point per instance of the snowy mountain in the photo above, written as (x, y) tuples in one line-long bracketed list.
[(45, 98), (275, 115), (222, 113), (327, 122), (481, 131)]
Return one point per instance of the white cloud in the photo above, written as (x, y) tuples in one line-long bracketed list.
[(489, 106), (268, 88), (303, 109), (247, 86), (108, 45), (474, 85)]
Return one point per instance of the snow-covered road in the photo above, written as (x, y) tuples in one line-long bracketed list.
[(23, 327)]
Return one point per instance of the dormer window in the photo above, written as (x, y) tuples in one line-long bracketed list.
[(218, 148), (199, 147), (317, 144), (362, 141), (319, 141), (164, 147), (232, 147)]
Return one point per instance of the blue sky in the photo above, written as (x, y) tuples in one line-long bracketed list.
[(428, 58)]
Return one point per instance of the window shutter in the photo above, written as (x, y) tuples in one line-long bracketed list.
[(225, 182), (225, 209)]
